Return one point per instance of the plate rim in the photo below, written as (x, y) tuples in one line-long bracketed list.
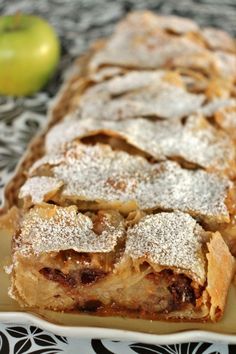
[(118, 334)]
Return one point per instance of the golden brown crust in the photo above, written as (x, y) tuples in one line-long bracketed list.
[(133, 279), (148, 285), (221, 267), (228, 232), (10, 220), (74, 86), (67, 100), (194, 144)]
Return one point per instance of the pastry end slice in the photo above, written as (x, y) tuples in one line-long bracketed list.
[(163, 266)]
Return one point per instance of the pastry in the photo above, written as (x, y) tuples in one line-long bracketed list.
[(194, 143), (143, 41), (125, 203), (164, 267), (98, 177)]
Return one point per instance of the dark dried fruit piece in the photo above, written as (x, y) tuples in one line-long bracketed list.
[(59, 277), (88, 275), (91, 306)]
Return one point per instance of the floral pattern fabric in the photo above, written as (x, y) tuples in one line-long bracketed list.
[(22, 339)]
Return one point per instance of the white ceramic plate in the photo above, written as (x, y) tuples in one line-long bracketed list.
[(118, 334), (88, 326)]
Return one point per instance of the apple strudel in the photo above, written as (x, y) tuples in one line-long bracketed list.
[(163, 267), (125, 204)]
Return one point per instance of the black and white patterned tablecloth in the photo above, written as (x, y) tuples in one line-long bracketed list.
[(21, 339), (78, 23)]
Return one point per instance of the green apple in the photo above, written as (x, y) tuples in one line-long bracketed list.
[(29, 54)]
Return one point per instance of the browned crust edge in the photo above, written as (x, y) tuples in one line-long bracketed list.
[(221, 267)]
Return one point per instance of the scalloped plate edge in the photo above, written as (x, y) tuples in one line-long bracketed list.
[(116, 334)]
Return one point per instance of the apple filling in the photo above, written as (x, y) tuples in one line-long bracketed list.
[(92, 289)]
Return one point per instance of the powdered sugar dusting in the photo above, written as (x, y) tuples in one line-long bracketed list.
[(57, 228), (139, 41), (49, 159), (39, 187), (8, 269), (160, 99), (176, 24), (98, 173), (132, 80), (226, 118), (197, 141), (106, 73), (212, 107), (218, 39), (225, 64), (168, 239)]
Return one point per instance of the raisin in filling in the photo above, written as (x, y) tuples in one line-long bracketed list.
[(90, 306), (85, 276), (88, 276), (181, 291), (56, 275), (179, 286)]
